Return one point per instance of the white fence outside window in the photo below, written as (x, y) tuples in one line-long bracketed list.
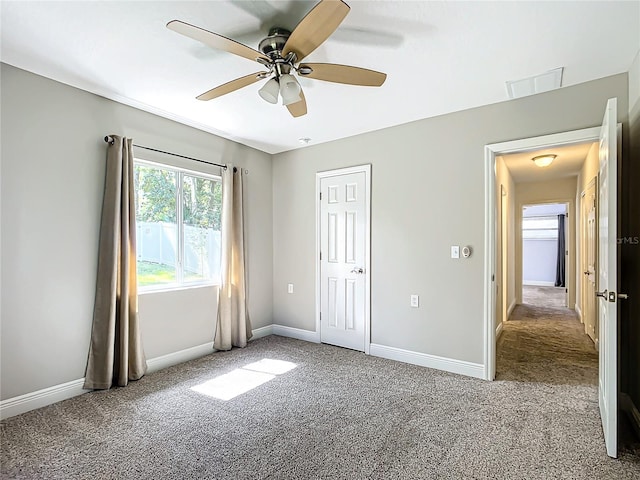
[(157, 242)]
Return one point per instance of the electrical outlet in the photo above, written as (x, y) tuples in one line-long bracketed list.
[(455, 251), (290, 288), (415, 301)]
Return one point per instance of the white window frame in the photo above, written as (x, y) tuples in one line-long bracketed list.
[(179, 284)]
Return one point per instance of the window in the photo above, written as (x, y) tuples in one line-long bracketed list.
[(540, 227), (178, 226)]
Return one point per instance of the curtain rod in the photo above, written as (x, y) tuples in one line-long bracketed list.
[(110, 141)]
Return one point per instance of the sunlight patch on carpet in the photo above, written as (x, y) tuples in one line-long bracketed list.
[(274, 367), (241, 380)]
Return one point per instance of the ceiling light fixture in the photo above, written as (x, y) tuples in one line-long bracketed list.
[(269, 91), (289, 89), (543, 160)]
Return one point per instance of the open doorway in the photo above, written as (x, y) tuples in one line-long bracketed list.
[(596, 369), (545, 254)]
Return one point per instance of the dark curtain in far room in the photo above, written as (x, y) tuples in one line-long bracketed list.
[(560, 264)]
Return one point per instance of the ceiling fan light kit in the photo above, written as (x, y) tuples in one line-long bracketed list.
[(269, 91), (289, 89), (281, 53)]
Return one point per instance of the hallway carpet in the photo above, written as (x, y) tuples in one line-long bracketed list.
[(339, 414), (544, 296)]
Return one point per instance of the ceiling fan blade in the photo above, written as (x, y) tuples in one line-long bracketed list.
[(298, 109), (214, 40), (229, 87), (332, 72), (316, 27)]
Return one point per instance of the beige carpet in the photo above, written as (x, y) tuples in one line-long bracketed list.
[(544, 296), (339, 414)]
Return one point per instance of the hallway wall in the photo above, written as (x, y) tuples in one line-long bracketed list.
[(504, 178)]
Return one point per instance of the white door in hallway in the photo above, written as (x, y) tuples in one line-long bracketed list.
[(607, 278), (343, 259), (589, 255)]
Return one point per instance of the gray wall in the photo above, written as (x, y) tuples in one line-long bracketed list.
[(427, 194), (630, 283), (51, 192)]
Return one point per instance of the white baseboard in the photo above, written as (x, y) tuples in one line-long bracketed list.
[(579, 312), (41, 398), (633, 413), (499, 330), (511, 307), (262, 332), (300, 334), (181, 356), (425, 360), (538, 283)]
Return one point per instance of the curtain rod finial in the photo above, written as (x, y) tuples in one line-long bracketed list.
[(109, 140)]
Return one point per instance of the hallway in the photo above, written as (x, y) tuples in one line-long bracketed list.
[(548, 345)]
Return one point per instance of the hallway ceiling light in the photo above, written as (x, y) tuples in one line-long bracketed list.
[(544, 160)]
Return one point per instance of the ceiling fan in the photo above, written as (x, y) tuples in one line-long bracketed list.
[(282, 52)]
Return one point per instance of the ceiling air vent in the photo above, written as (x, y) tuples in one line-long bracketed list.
[(537, 84)]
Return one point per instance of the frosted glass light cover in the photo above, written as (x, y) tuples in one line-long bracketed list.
[(269, 91)]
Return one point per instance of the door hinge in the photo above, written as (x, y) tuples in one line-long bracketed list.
[(320, 255), (320, 315), (320, 195)]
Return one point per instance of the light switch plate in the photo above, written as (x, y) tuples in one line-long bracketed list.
[(290, 288), (455, 251), (415, 301)]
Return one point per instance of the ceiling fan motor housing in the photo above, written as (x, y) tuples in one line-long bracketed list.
[(273, 44)]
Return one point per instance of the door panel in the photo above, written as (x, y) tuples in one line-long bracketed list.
[(588, 266), (342, 265), (607, 278)]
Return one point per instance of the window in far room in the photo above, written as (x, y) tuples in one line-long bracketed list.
[(178, 226)]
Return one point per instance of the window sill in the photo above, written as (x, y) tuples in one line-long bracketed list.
[(167, 289)]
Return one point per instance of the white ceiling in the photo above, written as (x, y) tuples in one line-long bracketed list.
[(440, 57), (568, 163)]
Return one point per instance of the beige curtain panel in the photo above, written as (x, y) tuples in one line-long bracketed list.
[(116, 354), (233, 328)]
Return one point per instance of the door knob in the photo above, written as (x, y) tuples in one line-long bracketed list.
[(602, 294), (357, 270), (586, 273)]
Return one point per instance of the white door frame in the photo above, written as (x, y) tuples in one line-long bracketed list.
[(366, 169), (490, 153)]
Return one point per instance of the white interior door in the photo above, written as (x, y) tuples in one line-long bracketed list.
[(504, 239), (343, 259), (607, 279), (589, 254)]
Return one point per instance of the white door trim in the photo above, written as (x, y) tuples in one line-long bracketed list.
[(491, 151), (366, 169)]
